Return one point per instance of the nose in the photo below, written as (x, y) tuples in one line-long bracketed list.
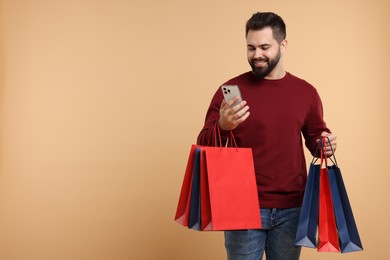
[(257, 53)]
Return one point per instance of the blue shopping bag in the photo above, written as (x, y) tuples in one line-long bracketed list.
[(194, 218), (346, 225), (308, 219)]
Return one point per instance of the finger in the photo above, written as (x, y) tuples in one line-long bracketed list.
[(232, 101), (242, 112), (225, 109), (319, 140), (243, 118), (239, 106), (328, 153), (327, 137), (331, 142), (329, 145), (330, 150), (232, 112), (331, 139)]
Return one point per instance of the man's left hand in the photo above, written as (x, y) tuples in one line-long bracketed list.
[(330, 141)]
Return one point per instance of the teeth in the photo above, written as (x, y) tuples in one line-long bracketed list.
[(259, 62)]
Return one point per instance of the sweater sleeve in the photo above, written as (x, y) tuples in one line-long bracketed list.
[(206, 135), (314, 125)]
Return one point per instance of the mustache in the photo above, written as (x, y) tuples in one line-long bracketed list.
[(260, 59)]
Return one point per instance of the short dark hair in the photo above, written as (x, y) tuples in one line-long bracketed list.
[(261, 20)]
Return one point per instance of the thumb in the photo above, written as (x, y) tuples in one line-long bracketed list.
[(325, 134)]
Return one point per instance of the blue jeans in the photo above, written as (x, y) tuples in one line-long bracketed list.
[(276, 238)]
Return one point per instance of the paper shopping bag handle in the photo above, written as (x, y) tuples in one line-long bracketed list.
[(322, 145), (216, 131)]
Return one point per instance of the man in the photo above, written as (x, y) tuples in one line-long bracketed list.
[(276, 108)]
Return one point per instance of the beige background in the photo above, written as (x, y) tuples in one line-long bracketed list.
[(101, 100)]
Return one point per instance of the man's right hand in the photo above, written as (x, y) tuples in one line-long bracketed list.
[(231, 117)]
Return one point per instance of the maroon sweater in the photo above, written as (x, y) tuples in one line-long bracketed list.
[(280, 110)]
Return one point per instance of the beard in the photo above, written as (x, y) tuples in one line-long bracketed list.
[(261, 72)]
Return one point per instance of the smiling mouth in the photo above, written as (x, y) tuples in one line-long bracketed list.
[(260, 63)]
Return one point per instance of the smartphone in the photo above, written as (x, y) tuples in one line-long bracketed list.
[(230, 92)]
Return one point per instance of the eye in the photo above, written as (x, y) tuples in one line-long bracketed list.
[(251, 48)]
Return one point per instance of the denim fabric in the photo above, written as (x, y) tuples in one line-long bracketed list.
[(276, 238)]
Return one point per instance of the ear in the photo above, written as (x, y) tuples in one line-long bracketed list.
[(283, 45)]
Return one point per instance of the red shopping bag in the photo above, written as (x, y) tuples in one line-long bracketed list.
[(228, 189), (327, 230), (233, 192), (183, 206)]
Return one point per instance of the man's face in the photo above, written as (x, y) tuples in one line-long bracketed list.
[(263, 51)]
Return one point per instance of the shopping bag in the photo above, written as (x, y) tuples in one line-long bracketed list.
[(327, 231), (308, 219), (346, 225), (228, 191), (194, 216), (232, 188), (183, 208), (206, 223)]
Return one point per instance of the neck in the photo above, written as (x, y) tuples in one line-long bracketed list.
[(275, 76)]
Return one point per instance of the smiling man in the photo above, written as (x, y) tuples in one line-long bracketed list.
[(277, 108), (264, 53)]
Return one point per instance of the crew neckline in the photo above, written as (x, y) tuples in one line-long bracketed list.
[(272, 81)]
